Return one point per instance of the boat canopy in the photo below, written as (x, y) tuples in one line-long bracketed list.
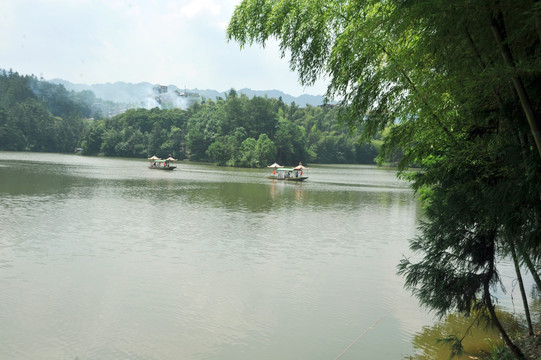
[(275, 165), (157, 159)]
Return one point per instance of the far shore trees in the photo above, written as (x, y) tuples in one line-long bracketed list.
[(231, 131)]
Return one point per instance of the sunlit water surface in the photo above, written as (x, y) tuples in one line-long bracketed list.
[(106, 259)]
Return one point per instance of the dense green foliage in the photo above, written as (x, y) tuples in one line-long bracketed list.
[(458, 83), (236, 131), (39, 116)]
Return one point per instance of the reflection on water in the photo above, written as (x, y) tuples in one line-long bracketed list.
[(477, 337), (104, 258)]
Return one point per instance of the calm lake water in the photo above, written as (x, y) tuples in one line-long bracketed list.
[(106, 259)]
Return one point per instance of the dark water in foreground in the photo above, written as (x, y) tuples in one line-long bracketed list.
[(105, 259)]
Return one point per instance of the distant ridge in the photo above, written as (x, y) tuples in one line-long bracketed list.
[(129, 93)]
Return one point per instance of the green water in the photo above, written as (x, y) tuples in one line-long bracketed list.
[(106, 259)]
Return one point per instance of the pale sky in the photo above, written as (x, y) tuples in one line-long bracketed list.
[(167, 42)]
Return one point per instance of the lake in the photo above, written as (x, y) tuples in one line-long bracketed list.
[(106, 259)]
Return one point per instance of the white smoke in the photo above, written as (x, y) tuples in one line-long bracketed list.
[(150, 103), (165, 98)]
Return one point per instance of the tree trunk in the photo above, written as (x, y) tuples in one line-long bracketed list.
[(536, 21), (525, 102), (533, 271), (521, 286), (514, 349)]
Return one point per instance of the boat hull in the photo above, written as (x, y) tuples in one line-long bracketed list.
[(299, 178), (162, 168)]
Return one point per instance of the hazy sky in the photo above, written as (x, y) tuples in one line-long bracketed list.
[(167, 42)]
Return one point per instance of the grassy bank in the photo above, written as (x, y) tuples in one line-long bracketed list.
[(529, 345)]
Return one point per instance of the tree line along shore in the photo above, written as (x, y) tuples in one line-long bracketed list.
[(235, 130)]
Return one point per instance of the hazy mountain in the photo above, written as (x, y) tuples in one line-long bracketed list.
[(142, 93)]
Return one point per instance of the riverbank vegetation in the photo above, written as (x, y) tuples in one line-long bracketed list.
[(230, 131), (462, 78)]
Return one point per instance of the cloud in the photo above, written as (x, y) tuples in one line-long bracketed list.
[(197, 7), (177, 42)]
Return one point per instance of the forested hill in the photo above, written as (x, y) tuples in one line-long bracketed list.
[(39, 116), (235, 130)]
